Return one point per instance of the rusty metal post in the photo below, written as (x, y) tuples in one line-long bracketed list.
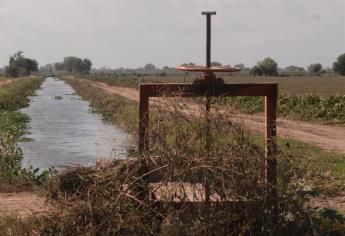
[(143, 120), (208, 35), (271, 158), (208, 40), (270, 138), (142, 191), (208, 98)]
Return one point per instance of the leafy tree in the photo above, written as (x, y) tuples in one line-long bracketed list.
[(76, 64), (256, 71), (339, 65), (265, 67), (72, 64), (58, 66), (86, 65), (315, 69), (268, 66), (150, 67), (19, 65)]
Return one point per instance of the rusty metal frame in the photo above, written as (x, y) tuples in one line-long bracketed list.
[(267, 90)]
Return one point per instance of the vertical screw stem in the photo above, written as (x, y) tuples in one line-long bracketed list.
[(208, 40)]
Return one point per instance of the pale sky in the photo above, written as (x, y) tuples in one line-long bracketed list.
[(131, 33)]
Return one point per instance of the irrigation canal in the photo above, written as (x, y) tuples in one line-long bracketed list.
[(65, 132)]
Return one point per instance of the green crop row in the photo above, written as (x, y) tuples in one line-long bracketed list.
[(307, 107)]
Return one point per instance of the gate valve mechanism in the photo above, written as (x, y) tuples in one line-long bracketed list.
[(208, 70)]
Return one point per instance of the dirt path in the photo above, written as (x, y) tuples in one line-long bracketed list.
[(24, 203), (328, 137), (3, 82), (8, 81)]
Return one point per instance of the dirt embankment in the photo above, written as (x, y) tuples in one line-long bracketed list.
[(8, 81), (328, 137), (3, 82), (23, 203)]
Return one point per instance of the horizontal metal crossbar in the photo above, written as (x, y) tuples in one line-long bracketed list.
[(192, 90)]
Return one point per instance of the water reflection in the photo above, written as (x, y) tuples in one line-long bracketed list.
[(65, 132)]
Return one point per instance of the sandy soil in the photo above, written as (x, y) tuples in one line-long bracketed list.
[(3, 82), (328, 137), (23, 203), (8, 81), (336, 203)]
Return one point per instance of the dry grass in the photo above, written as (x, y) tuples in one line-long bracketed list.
[(118, 199)]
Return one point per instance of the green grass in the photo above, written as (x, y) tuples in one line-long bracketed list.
[(13, 124)]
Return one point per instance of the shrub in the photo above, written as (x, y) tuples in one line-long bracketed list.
[(339, 65)]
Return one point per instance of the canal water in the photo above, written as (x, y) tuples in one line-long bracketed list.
[(65, 132)]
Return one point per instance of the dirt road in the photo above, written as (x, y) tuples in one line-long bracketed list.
[(328, 137), (8, 81), (24, 203), (3, 82)]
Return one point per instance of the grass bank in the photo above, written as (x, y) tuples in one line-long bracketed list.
[(13, 124)]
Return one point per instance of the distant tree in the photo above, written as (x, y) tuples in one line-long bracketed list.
[(294, 69), (149, 67), (268, 67), (58, 66), (315, 69), (255, 71), (72, 64), (46, 70), (188, 64), (76, 64), (339, 65), (265, 67), (242, 67), (86, 65), (216, 63), (20, 65)]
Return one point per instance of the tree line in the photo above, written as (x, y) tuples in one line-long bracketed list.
[(19, 65)]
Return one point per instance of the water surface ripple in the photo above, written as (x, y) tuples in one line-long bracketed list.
[(65, 132)]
